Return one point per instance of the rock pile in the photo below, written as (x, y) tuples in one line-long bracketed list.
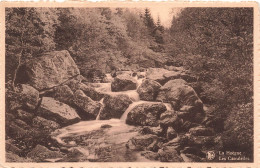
[(53, 94)]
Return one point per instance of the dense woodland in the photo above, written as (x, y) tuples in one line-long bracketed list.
[(216, 44)]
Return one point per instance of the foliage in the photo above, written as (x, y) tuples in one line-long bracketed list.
[(239, 129), (29, 31), (217, 45)]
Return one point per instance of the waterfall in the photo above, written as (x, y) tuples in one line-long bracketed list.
[(101, 108), (134, 104), (168, 106)]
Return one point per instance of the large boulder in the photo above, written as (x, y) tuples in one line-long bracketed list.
[(26, 97), (146, 114), (45, 124), (89, 108), (151, 130), (41, 153), (163, 75), (30, 96), (123, 83), (63, 94), (115, 106), (91, 92), (57, 111), (48, 70), (148, 90), (179, 94), (156, 74), (170, 119)]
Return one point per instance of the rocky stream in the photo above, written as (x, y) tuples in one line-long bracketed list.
[(148, 115)]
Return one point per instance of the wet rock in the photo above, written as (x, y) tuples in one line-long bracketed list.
[(170, 119), (25, 116), (123, 83), (152, 130), (105, 126), (63, 94), (144, 142), (191, 158), (40, 153), (91, 92), (150, 155), (169, 154), (11, 157), (156, 74), (49, 70), (146, 114), (57, 111), (171, 133), (115, 106), (148, 90), (201, 131), (44, 124), (90, 108), (179, 94)]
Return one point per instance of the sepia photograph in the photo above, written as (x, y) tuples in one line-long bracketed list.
[(129, 84)]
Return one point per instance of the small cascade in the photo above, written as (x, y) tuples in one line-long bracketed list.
[(124, 116), (104, 87), (109, 77), (168, 106), (139, 81), (101, 108), (82, 128)]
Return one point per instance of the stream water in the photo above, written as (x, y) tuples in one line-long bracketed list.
[(103, 140)]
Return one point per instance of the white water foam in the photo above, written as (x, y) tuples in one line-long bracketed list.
[(101, 108)]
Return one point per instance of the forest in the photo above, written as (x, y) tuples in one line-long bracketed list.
[(214, 44)]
